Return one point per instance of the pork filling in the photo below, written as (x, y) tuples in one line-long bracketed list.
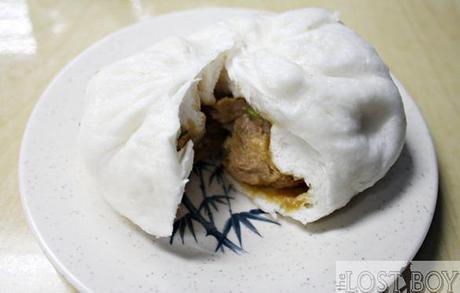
[(240, 137)]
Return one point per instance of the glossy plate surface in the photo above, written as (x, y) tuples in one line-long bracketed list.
[(97, 250)]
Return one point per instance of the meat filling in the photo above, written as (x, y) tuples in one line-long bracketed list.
[(247, 149), (244, 136)]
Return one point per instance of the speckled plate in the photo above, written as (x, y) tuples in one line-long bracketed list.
[(97, 250)]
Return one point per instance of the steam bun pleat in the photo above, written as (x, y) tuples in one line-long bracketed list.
[(337, 117)]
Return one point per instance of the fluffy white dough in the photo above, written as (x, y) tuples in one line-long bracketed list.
[(337, 117), (133, 113)]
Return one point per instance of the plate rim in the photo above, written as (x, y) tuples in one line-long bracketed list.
[(57, 264), (433, 157)]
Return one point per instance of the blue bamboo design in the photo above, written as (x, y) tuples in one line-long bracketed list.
[(210, 202)]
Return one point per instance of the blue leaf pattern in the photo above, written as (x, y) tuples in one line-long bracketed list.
[(203, 214)]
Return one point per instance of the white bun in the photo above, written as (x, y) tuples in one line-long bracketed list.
[(133, 114), (337, 117)]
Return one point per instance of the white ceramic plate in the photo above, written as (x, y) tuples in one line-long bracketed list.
[(97, 250)]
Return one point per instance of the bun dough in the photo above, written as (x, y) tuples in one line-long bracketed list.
[(337, 117)]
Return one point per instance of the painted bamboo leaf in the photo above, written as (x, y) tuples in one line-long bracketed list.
[(214, 200), (190, 227), (175, 227), (203, 213), (250, 226), (227, 227), (217, 174), (182, 229), (236, 226)]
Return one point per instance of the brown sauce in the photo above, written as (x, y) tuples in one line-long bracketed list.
[(289, 199)]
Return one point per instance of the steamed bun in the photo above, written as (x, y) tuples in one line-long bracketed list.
[(134, 110), (337, 117)]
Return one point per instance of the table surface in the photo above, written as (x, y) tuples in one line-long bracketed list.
[(419, 40)]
